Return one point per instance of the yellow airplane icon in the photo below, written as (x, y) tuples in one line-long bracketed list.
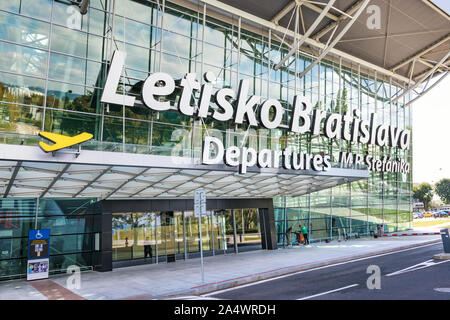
[(61, 141)]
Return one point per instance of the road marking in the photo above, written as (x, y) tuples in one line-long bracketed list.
[(331, 291), (426, 264), (314, 269)]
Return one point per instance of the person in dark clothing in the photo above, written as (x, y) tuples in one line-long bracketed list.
[(148, 249)]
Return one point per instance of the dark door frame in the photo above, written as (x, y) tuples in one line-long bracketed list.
[(265, 206)]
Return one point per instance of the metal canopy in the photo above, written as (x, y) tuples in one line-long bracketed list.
[(411, 31), (29, 173)]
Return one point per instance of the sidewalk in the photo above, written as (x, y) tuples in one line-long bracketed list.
[(222, 271)]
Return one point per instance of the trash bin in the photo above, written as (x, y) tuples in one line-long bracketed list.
[(445, 234)]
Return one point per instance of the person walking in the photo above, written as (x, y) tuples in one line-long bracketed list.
[(305, 234)]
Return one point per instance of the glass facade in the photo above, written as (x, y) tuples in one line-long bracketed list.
[(53, 66), (75, 228), (174, 235)]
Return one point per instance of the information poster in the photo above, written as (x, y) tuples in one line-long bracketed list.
[(38, 254)]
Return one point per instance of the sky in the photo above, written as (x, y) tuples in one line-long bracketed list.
[(431, 135), (443, 4), (431, 130)]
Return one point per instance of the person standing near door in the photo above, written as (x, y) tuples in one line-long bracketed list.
[(288, 236), (304, 230), (147, 248)]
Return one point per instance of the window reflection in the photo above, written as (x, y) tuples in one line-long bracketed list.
[(20, 119), (71, 97), (69, 41), (74, 70), (24, 30), (73, 225), (174, 235), (40, 9), (21, 89), (71, 123), (24, 60)]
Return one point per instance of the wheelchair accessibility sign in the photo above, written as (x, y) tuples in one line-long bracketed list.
[(38, 254)]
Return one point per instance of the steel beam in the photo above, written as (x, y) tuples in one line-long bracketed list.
[(227, 9), (429, 65), (55, 180), (317, 9), (13, 177), (427, 90), (387, 34), (283, 12), (396, 35), (298, 44), (421, 52), (336, 40), (123, 184), (93, 181), (332, 25), (444, 65), (152, 183), (435, 52), (422, 78)]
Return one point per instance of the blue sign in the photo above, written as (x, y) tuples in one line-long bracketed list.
[(38, 244), (39, 234)]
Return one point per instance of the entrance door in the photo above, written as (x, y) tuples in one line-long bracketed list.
[(168, 235), (218, 231), (248, 229)]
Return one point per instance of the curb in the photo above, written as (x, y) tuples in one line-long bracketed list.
[(226, 284), (411, 234)]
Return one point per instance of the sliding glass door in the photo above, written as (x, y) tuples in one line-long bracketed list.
[(173, 235)]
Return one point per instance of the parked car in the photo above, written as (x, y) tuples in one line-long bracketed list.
[(441, 214), (418, 215), (428, 214)]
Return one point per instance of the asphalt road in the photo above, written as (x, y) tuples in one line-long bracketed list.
[(348, 281)]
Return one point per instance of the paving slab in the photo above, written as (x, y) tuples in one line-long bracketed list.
[(153, 281)]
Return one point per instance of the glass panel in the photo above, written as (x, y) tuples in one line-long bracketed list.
[(40, 9), (20, 119), (122, 233), (71, 97), (70, 123), (10, 5), (24, 60), (192, 237), (134, 236), (21, 89), (168, 236), (69, 41), (218, 231), (179, 235), (24, 30), (206, 232), (248, 229), (229, 230)]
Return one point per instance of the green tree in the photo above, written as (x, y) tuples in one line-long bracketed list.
[(424, 193), (442, 189)]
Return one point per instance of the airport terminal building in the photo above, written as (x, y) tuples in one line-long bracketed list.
[(287, 113)]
